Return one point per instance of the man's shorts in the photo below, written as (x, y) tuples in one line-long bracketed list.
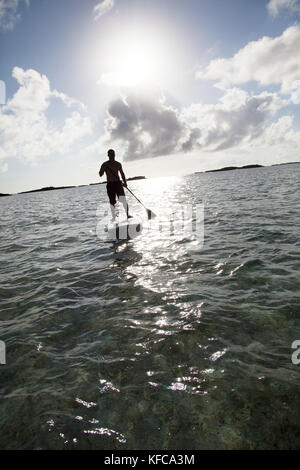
[(114, 189)]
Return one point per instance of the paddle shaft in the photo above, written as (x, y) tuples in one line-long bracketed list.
[(135, 197), (148, 210)]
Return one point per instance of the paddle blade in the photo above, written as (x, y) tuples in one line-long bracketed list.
[(151, 215)]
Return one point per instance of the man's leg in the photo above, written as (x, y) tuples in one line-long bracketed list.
[(125, 205), (112, 200), (113, 212)]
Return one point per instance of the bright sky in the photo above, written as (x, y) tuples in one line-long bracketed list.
[(174, 86)]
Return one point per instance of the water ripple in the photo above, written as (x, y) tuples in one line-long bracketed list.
[(157, 343)]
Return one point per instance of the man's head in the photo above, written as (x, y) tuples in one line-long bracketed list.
[(111, 154)]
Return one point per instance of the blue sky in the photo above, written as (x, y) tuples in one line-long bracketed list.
[(174, 86)]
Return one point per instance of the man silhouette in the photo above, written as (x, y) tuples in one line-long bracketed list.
[(114, 186)]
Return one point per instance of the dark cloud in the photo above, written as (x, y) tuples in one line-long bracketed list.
[(146, 127)]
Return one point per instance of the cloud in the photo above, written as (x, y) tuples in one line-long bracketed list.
[(280, 132), (268, 61), (2, 92), (25, 131), (295, 95), (142, 125), (103, 7), (275, 6), (9, 14), (238, 118)]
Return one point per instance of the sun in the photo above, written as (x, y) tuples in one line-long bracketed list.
[(134, 66), (133, 60)]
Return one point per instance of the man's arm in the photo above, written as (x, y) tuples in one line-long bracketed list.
[(101, 172), (123, 176)]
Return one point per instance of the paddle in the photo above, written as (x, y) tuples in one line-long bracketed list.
[(150, 213)]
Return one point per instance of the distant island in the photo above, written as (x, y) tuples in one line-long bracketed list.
[(245, 167), (48, 188), (52, 188), (136, 178), (288, 163), (4, 195), (231, 168)]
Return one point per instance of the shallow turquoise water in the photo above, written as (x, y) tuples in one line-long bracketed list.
[(156, 343)]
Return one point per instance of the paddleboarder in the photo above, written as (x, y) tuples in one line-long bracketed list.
[(115, 187)]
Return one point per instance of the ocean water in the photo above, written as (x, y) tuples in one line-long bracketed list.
[(159, 342)]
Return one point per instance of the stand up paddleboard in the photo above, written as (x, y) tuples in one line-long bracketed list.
[(124, 230)]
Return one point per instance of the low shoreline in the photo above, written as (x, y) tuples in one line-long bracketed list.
[(54, 188), (245, 167), (135, 178)]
